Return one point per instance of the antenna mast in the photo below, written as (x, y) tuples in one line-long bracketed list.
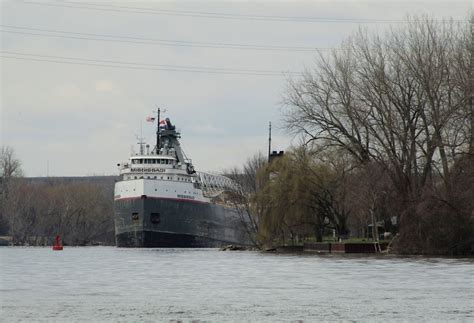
[(158, 143), (140, 139)]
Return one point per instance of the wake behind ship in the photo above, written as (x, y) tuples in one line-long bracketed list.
[(161, 201)]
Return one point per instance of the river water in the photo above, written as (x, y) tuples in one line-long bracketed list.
[(113, 284)]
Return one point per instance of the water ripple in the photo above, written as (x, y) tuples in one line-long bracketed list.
[(114, 284)]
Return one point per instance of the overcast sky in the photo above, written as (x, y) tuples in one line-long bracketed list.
[(82, 117)]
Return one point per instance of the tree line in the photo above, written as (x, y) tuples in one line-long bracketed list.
[(33, 212), (386, 126)]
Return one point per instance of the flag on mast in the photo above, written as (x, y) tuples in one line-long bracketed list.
[(163, 124), (150, 119)]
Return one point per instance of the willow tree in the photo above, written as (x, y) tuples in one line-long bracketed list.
[(401, 101), (304, 197)]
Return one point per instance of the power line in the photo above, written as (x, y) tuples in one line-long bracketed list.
[(221, 15), (213, 15), (152, 41), (140, 66)]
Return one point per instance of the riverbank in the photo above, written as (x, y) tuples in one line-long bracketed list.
[(321, 248)]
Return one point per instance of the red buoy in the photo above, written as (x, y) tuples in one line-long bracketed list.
[(57, 245)]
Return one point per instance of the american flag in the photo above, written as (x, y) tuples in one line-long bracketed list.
[(150, 119)]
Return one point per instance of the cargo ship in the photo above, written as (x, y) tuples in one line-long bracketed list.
[(161, 201)]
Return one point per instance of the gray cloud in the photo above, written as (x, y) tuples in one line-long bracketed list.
[(84, 119)]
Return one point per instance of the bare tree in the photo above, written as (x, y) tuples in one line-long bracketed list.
[(248, 183), (400, 101), (10, 167)]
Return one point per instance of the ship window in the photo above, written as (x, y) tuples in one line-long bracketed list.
[(135, 216), (140, 161), (135, 177), (155, 218), (155, 177)]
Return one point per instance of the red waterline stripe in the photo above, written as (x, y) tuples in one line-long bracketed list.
[(161, 198)]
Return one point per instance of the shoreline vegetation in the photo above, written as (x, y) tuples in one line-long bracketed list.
[(386, 145), (386, 153)]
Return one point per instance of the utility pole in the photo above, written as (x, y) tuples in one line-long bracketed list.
[(269, 140)]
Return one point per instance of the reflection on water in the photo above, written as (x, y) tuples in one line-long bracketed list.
[(111, 284)]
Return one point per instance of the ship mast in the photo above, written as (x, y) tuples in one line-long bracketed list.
[(140, 139), (158, 143)]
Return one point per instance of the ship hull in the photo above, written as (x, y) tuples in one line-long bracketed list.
[(157, 239), (147, 222)]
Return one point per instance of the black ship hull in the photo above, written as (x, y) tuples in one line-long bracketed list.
[(171, 223)]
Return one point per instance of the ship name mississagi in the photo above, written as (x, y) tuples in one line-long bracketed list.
[(151, 170)]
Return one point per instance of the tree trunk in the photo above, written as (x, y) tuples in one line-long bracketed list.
[(318, 232)]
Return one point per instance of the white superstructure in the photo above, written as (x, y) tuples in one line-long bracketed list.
[(166, 173), (159, 176)]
